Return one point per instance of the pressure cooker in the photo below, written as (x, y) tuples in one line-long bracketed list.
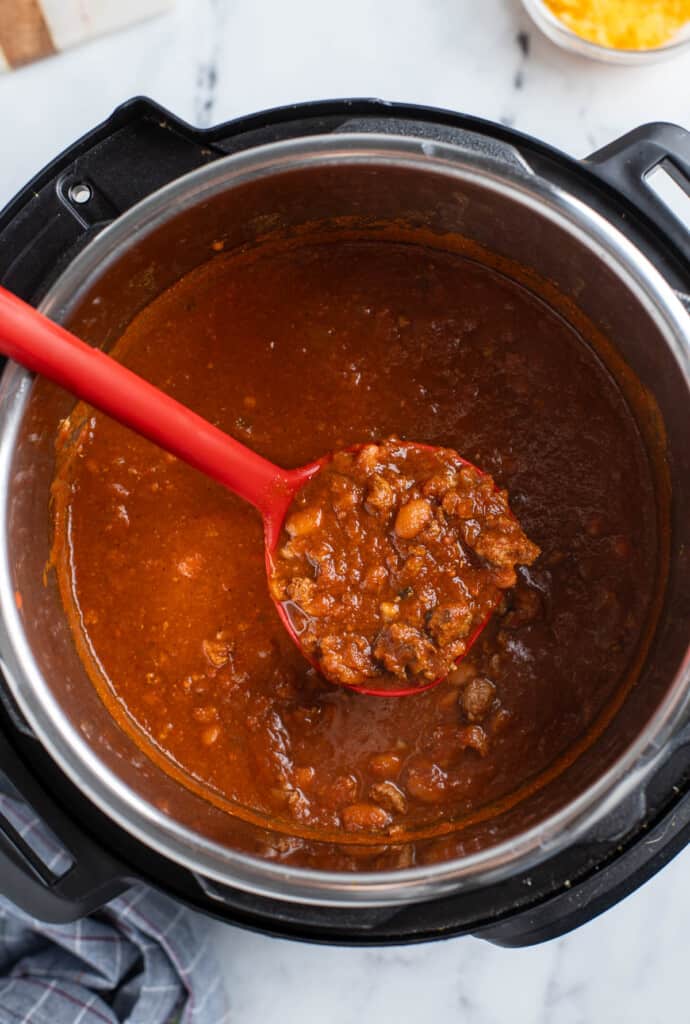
[(97, 235)]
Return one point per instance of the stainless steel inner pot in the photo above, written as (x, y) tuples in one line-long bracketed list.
[(486, 194)]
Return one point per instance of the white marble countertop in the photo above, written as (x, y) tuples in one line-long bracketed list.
[(211, 60)]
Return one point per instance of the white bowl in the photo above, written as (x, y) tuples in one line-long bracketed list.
[(559, 33)]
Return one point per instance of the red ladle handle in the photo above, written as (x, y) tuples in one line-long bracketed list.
[(40, 345)]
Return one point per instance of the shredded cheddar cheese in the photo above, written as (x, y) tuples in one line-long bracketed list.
[(623, 24)]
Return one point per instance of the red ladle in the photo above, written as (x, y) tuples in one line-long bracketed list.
[(44, 347)]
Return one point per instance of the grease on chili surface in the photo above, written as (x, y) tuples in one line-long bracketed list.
[(304, 350)]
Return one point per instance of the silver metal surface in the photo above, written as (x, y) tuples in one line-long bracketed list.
[(449, 188)]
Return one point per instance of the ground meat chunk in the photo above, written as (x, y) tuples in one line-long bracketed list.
[(303, 521), (345, 658), (303, 591), (436, 486), (505, 545), (390, 796), (380, 495), (342, 790), (455, 504), (396, 554), (450, 622), (526, 606), (367, 459), (345, 493), (477, 698), (217, 651), (474, 737), (404, 649)]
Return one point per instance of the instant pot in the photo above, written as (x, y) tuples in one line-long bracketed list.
[(119, 217)]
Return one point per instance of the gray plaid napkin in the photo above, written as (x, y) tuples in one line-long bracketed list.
[(142, 959)]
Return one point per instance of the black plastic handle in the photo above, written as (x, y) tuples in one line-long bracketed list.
[(626, 163), (91, 880), (138, 150)]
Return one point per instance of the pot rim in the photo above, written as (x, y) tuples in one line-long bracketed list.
[(81, 763)]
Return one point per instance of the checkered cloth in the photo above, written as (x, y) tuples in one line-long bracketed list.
[(142, 959)]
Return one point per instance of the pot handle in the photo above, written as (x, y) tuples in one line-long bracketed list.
[(627, 163), (71, 876)]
